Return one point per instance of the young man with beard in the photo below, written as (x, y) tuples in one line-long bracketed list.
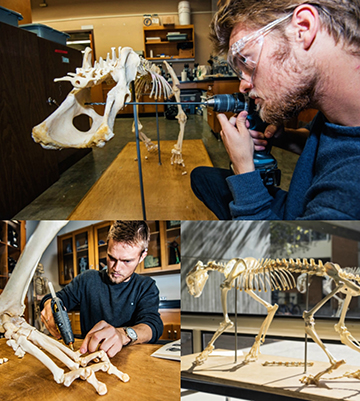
[(117, 306), (290, 55)]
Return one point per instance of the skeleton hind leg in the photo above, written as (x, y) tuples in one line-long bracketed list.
[(310, 330)]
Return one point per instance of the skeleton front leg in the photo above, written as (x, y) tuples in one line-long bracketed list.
[(310, 330), (30, 348), (236, 271), (260, 338), (226, 323), (176, 152)]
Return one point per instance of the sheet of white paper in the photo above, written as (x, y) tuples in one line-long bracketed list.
[(169, 351)]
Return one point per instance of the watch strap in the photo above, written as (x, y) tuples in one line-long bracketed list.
[(131, 334)]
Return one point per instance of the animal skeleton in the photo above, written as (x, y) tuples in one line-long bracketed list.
[(269, 274), (58, 130), (40, 288), (23, 337)]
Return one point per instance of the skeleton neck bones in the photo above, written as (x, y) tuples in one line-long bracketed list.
[(23, 338), (269, 274)]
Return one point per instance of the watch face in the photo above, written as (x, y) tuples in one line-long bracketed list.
[(131, 333)]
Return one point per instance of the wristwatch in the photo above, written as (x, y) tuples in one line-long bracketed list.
[(131, 333)]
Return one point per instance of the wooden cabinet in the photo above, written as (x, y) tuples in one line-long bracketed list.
[(172, 324), (87, 249), (218, 87), (75, 253), (150, 108), (12, 242), (164, 248), (74, 318), (101, 231), (169, 49), (29, 65)]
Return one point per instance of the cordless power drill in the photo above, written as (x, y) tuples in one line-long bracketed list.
[(263, 160), (61, 318)]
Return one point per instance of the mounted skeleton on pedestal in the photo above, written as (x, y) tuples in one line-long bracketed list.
[(24, 338), (268, 274)]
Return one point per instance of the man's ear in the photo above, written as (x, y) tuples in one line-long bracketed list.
[(307, 23), (143, 255)]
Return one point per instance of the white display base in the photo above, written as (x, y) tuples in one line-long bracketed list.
[(278, 380)]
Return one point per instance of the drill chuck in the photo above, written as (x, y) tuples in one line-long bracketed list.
[(225, 103), (61, 318)]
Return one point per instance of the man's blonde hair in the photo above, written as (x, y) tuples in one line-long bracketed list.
[(340, 18), (131, 232)]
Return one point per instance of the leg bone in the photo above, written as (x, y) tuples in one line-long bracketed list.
[(260, 338), (310, 330)]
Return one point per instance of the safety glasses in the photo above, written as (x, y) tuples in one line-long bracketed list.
[(244, 54)]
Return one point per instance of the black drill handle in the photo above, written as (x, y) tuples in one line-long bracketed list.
[(257, 124), (62, 320)]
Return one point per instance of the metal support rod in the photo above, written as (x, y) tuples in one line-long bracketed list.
[(158, 132), (130, 103), (136, 122), (236, 284), (165, 103), (306, 336)]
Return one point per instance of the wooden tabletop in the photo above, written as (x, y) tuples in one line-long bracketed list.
[(150, 378), (168, 194)]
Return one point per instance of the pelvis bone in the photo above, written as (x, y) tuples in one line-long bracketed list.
[(58, 130)]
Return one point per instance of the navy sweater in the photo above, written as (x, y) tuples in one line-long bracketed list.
[(325, 184), (124, 304)]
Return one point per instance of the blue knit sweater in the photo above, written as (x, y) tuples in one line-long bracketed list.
[(124, 304), (325, 184)]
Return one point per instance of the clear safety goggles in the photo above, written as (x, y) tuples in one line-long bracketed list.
[(244, 54)]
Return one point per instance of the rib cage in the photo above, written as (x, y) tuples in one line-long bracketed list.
[(276, 274), (298, 266), (262, 275)]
